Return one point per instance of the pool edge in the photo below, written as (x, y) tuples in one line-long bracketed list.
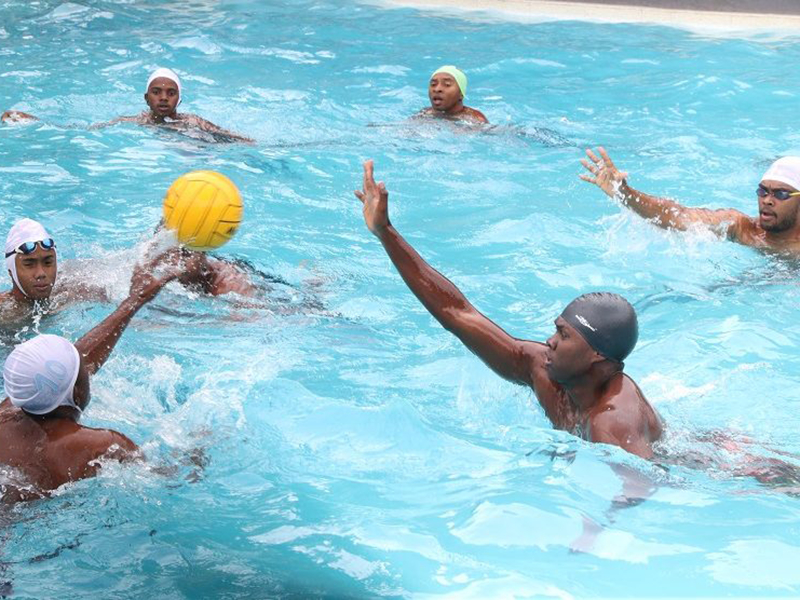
[(615, 13)]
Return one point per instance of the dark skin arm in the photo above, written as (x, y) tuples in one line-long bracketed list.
[(511, 358), (210, 127), (12, 116), (665, 213), (96, 345)]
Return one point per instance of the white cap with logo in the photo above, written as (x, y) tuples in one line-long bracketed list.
[(40, 374)]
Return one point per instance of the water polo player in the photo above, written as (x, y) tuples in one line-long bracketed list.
[(162, 95), (32, 262), (577, 375), (777, 227), (46, 383), (446, 90)]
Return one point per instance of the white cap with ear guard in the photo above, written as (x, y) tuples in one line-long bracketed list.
[(164, 72), (40, 374), (24, 230)]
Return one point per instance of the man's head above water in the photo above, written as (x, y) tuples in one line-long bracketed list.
[(163, 93), (447, 88), (595, 331), (31, 260), (45, 374), (779, 195)]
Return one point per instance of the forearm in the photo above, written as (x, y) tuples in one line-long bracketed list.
[(661, 211), (436, 293), (96, 345)]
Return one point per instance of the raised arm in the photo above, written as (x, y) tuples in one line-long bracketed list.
[(661, 211), (97, 344), (509, 357)]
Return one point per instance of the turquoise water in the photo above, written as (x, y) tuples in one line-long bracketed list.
[(361, 452)]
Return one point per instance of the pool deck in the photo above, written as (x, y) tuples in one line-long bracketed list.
[(780, 15)]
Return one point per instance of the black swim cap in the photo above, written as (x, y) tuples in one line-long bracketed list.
[(606, 321)]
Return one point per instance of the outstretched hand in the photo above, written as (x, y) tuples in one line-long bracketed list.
[(375, 199), (145, 284), (603, 172)]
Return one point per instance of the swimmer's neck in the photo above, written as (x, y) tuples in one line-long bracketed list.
[(17, 297), (789, 237), (585, 392), (156, 118)]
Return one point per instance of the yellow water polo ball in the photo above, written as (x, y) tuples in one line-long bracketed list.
[(204, 208)]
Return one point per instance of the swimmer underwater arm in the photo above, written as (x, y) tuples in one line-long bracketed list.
[(210, 127), (97, 344), (212, 276), (13, 116), (505, 355), (665, 213), (141, 119)]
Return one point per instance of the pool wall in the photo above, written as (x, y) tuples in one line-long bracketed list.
[(736, 14)]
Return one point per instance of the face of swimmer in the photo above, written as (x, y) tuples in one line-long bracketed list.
[(568, 355), (162, 97), (777, 215), (37, 272), (444, 93)]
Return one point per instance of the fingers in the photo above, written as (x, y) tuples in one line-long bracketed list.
[(589, 166), (360, 195), (369, 177), (588, 178), (606, 157)]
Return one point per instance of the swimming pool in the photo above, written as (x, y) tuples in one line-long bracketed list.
[(363, 452)]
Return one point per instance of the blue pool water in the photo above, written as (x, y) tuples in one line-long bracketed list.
[(361, 452)]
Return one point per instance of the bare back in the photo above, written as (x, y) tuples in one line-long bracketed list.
[(49, 451)]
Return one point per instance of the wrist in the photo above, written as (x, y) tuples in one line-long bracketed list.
[(384, 232), (132, 303)]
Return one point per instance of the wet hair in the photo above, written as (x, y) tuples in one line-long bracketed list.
[(606, 321)]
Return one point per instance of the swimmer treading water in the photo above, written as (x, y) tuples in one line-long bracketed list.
[(162, 95), (777, 228)]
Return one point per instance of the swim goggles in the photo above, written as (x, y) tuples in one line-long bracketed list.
[(777, 194), (29, 247)]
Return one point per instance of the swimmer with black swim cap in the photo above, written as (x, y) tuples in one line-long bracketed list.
[(606, 321), (577, 375)]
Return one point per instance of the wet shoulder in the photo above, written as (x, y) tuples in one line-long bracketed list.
[(625, 402), (475, 115), (746, 230)]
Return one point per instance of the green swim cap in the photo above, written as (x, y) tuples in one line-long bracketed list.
[(456, 74)]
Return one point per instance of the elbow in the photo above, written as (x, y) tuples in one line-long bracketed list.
[(456, 319)]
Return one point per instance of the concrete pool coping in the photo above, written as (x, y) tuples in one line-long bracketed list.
[(782, 15)]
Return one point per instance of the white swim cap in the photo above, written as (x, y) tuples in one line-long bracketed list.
[(39, 375), (786, 170), (24, 230), (169, 74)]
